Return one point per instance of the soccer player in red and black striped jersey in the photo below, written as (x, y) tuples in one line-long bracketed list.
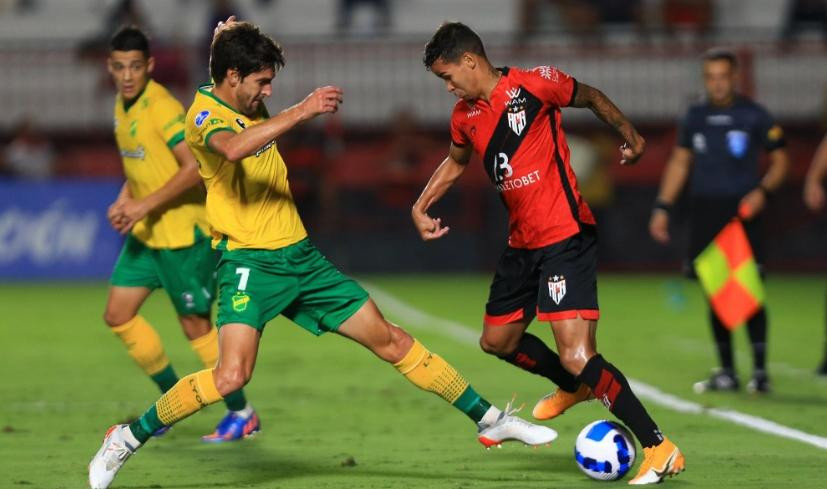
[(511, 118)]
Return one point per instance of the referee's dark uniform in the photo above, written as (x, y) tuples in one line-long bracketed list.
[(726, 143)]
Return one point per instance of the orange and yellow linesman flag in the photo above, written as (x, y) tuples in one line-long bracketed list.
[(729, 276)]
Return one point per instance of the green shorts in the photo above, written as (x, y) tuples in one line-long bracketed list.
[(187, 274), (255, 286)]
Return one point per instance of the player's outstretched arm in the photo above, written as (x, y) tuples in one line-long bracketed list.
[(608, 112), (133, 210), (672, 182), (813, 182), (443, 178), (237, 146)]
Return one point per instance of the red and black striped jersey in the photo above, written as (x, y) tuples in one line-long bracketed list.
[(519, 137)]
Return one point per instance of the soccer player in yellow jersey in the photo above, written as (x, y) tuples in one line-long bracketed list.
[(268, 266), (161, 209)]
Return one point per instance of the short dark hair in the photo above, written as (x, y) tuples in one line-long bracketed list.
[(721, 54), (450, 41), (130, 38), (244, 48)]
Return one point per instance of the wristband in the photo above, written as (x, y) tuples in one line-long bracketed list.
[(664, 206)]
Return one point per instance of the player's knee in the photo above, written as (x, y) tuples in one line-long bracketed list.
[(573, 361), (195, 326), (231, 378), (397, 346), (495, 346), (114, 318)]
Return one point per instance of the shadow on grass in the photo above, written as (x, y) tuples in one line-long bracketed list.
[(251, 465)]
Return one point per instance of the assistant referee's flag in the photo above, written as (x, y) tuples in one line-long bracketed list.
[(729, 276)]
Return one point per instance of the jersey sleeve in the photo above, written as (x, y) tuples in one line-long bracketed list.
[(168, 118), (458, 136), (685, 131), (553, 86), (204, 123), (771, 134)]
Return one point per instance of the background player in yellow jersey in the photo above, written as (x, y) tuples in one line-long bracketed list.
[(161, 207), (269, 267)]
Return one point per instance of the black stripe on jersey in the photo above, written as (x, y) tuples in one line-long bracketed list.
[(561, 168), (504, 142), (573, 92)]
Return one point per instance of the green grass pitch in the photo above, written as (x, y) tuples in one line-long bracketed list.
[(333, 416)]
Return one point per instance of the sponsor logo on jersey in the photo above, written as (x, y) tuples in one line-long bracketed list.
[(201, 117), (719, 120), (475, 111), (699, 143), (189, 300), (548, 73), (518, 182), (737, 142), (138, 153), (265, 148), (557, 288), (240, 123)]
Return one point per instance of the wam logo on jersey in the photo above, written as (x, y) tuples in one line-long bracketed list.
[(557, 288), (737, 142), (201, 117)]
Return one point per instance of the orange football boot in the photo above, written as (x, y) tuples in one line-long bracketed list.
[(658, 462), (557, 402)]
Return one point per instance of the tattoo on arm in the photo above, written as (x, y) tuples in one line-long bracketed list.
[(603, 108)]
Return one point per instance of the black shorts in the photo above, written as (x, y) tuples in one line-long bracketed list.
[(555, 282), (708, 216)]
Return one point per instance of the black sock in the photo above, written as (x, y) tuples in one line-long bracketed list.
[(757, 329), (612, 388), (723, 341), (534, 356)]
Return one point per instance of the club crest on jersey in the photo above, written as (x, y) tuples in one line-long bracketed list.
[(516, 110), (737, 142), (201, 117), (557, 288)]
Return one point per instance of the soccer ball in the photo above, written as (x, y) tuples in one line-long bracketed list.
[(604, 450)]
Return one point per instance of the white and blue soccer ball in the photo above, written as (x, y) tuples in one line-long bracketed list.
[(604, 450)]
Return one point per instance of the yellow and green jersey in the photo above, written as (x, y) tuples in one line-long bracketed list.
[(249, 204), (146, 130)]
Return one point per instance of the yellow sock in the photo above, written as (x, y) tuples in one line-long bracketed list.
[(206, 347), (430, 372), (189, 395), (143, 344)]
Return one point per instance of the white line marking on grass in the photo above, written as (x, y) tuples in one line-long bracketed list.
[(470, 337), (695, 346)]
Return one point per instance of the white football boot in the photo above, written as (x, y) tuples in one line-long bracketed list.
[(118, 446), (508, 427)]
